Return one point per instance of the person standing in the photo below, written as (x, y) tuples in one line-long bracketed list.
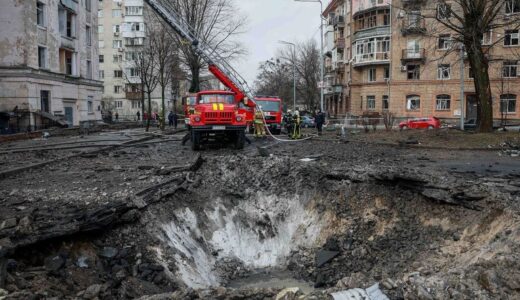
[(138, 114), (175, 120), (117, 116), (259, 123), (320, 120), (170, 118), (296, 134)]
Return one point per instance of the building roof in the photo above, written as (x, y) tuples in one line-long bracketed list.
[(331, 7)]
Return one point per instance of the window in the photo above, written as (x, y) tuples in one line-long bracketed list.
[(511, 38), (115, 28), (510, 69), (89, 69), (88, 35), (67, 22), (134, 41), (471, 74), (101, 44), (117, 44), (386, 18), (88, 5), (487, 38), (386, 73), (67, 61), (45, 101), (117, 58), (100, 13), (413, 71), (136, 104), (134, 10), (90, 104), (371, 102), (42, 57), (508, 103), (137, 27), (413, 102), (443, 102), (443, 11), (118, 104), (117, 89), (133, 72), (116, 13), (101, 74), (118, 74), (512, 6), (131, 55), (371, 74), (443, 72), (101, 29), (386, 104), (445, 42), (40, 14), (101, 59)]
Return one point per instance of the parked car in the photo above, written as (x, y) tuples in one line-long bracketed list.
[(421, 123), (308, 122)]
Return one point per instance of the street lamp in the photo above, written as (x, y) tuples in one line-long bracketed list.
[(294, 70), (321, 49)]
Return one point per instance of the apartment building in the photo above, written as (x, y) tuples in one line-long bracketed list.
[(403, 61), (48, 64)]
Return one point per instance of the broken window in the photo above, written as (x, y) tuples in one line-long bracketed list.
[(45, 101), (443, 72), (443, 102), (40, 14), (508, 103), (445, 42), (42, 57), (67, 62), (386, 104), (510, 69), (512, 6), (413, 71), (67, 22), (443, 11), (511, 38), (413, 102)]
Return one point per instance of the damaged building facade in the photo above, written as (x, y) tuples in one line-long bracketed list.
[(48, 64), (393, 55)]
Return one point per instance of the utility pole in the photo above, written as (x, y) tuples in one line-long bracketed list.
[(294, 69), (322, 66), (461, 86)]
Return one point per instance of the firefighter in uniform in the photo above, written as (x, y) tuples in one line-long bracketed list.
[(287, 119), (296, 127), (259, 123)]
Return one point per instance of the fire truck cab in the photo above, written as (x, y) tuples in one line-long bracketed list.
[(214, 116), (272, 108)]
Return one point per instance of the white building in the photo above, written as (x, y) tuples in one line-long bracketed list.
[(48, 63)]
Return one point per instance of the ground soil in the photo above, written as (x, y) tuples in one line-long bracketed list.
[(418, 212)]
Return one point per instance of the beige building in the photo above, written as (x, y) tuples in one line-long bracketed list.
[(398, 58), (48, 64)]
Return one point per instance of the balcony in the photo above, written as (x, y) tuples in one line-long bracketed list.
[(413, 25), (413, 55), (375, 58), (133, 95), (340, 67), (340, 43), (339, 21)]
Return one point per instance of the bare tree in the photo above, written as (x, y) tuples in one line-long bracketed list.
[(468, 22), (275, 79), (215, 23)]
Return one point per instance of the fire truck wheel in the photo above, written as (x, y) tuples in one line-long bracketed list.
[(195, 140), (240, 140)]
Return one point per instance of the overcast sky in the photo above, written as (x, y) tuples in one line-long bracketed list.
[(271, 21)]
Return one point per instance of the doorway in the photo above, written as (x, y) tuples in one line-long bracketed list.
[(69, 116), (471, 108)]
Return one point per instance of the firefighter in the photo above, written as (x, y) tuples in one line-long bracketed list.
[(259, 123), (288, 120), (296, 128)]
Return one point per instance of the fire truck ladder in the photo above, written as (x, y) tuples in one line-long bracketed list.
[(217, 64)]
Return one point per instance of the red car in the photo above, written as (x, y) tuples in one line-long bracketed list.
[(421, 123)]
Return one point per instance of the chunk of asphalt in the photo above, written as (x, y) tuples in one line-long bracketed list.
[(324, 256)]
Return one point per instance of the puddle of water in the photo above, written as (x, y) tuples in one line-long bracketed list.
[(271, 279)]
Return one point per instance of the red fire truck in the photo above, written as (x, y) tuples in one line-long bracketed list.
[(272, 108), (211, 115)]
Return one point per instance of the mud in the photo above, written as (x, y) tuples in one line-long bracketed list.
[(159, 222)]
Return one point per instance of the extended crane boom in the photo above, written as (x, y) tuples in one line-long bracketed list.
[(217, 65)]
